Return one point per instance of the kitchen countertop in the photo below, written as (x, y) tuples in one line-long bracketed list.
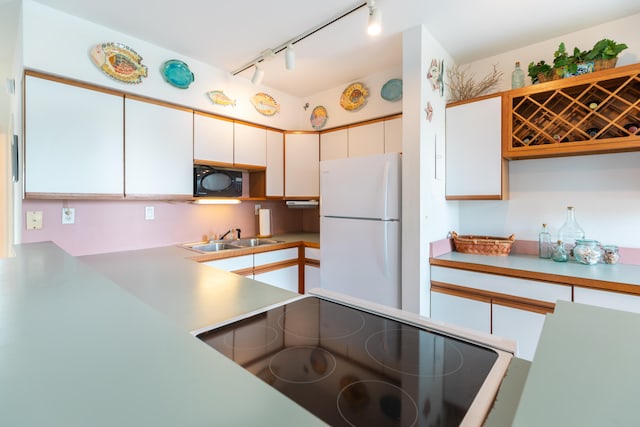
[(78, 350), (616, 277)]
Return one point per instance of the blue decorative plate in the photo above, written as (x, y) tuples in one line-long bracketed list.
[(392, 90), (177, 73)]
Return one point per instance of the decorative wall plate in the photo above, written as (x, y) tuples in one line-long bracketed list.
[(265, 104), (218, 97), (318, 117), (392, 90), (119, 62), (177, 73), (354, 97)]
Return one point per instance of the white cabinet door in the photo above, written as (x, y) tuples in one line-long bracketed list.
[(285, 278), (212, 139), (73, 139), (158, 150), (606, 299), (366, 140), (311, 277), (301, 165), (393, 135), (334, 144), (275, 164), (250, 145), (242, 262), (264, 258), (473, 160), (465, 312), (522, 326)]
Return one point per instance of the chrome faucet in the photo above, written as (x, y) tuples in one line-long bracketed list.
[(235, 234)]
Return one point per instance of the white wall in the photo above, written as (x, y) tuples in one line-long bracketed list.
[(605, 189), (426, 215)]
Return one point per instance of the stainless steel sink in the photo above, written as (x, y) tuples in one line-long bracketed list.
[(212, 246), (221, 245), (246, 243)]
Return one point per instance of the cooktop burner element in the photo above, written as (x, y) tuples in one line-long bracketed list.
[(352, 367)]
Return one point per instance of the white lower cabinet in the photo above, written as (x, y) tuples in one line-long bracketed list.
[(522, 326), (311, 271), (487, 302), (285, 278), (465, 312), (232, 264), (614, 300)]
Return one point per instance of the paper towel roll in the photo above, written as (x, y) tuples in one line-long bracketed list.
[(265, 222)]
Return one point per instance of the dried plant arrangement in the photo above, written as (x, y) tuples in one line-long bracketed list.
[(462, 84)]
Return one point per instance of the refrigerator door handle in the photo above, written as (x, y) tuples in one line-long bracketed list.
[(385, 242), (385, 189)]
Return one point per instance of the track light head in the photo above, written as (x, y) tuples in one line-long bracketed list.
[(290, 58), (375, 19), (258, 75)]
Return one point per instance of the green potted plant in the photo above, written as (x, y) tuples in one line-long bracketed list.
[(539, 71), (605, 53), (565, 65)]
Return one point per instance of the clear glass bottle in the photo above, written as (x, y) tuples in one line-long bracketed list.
[(517, 77), (559, 254), (544, 243), (570, 232)]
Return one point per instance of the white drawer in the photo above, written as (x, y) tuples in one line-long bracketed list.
[(275, 256), (312, 253), (606, 299), (541, 291), (232, 264)]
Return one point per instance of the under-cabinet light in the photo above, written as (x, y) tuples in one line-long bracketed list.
[(217, 201)]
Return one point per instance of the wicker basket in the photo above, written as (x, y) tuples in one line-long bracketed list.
[(483, 245)]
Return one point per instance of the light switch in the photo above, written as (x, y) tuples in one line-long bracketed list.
[(149, 213), (34, 220)]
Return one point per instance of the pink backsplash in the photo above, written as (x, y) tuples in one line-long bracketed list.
[(111, 226), (530, 247)]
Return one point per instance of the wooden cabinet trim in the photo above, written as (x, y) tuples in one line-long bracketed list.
[(542, 277), (494, 297), (265, 268), (73, 196), (365, 122)]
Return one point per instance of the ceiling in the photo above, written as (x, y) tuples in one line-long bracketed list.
[(230, 34)]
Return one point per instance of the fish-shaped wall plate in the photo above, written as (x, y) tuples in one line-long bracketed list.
[(354, 97), (119, 62), (177, 73), (265, 104), (218, 97)]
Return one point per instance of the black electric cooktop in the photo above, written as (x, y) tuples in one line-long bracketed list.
[(353, 368)]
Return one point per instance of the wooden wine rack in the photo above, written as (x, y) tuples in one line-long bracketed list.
[(588, 114)]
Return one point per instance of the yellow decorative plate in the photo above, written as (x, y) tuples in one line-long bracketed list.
[(354, 97), (265, 104), (119, 62)]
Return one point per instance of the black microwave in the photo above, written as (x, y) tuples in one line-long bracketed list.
[(214, 182)]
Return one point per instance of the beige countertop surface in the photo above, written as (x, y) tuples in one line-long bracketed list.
[(105, 341)]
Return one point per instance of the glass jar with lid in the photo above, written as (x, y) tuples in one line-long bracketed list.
[(610, 254), (587, 251)]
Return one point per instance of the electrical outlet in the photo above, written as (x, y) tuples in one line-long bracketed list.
[(257, 209), (149, 213), (34, 220), (68, 215)]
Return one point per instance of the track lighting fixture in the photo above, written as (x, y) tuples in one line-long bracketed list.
[(290, 57), (258, 75), (375, 19)]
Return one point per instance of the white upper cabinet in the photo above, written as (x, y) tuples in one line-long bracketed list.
[(250, 145), (212, 139), (275, 164), (366, 140), (302, 165), (73, 140), (393, 135), (158, 150), (475, 168), (334, 144)]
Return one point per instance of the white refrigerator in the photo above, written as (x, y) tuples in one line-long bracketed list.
[(360, 227)]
